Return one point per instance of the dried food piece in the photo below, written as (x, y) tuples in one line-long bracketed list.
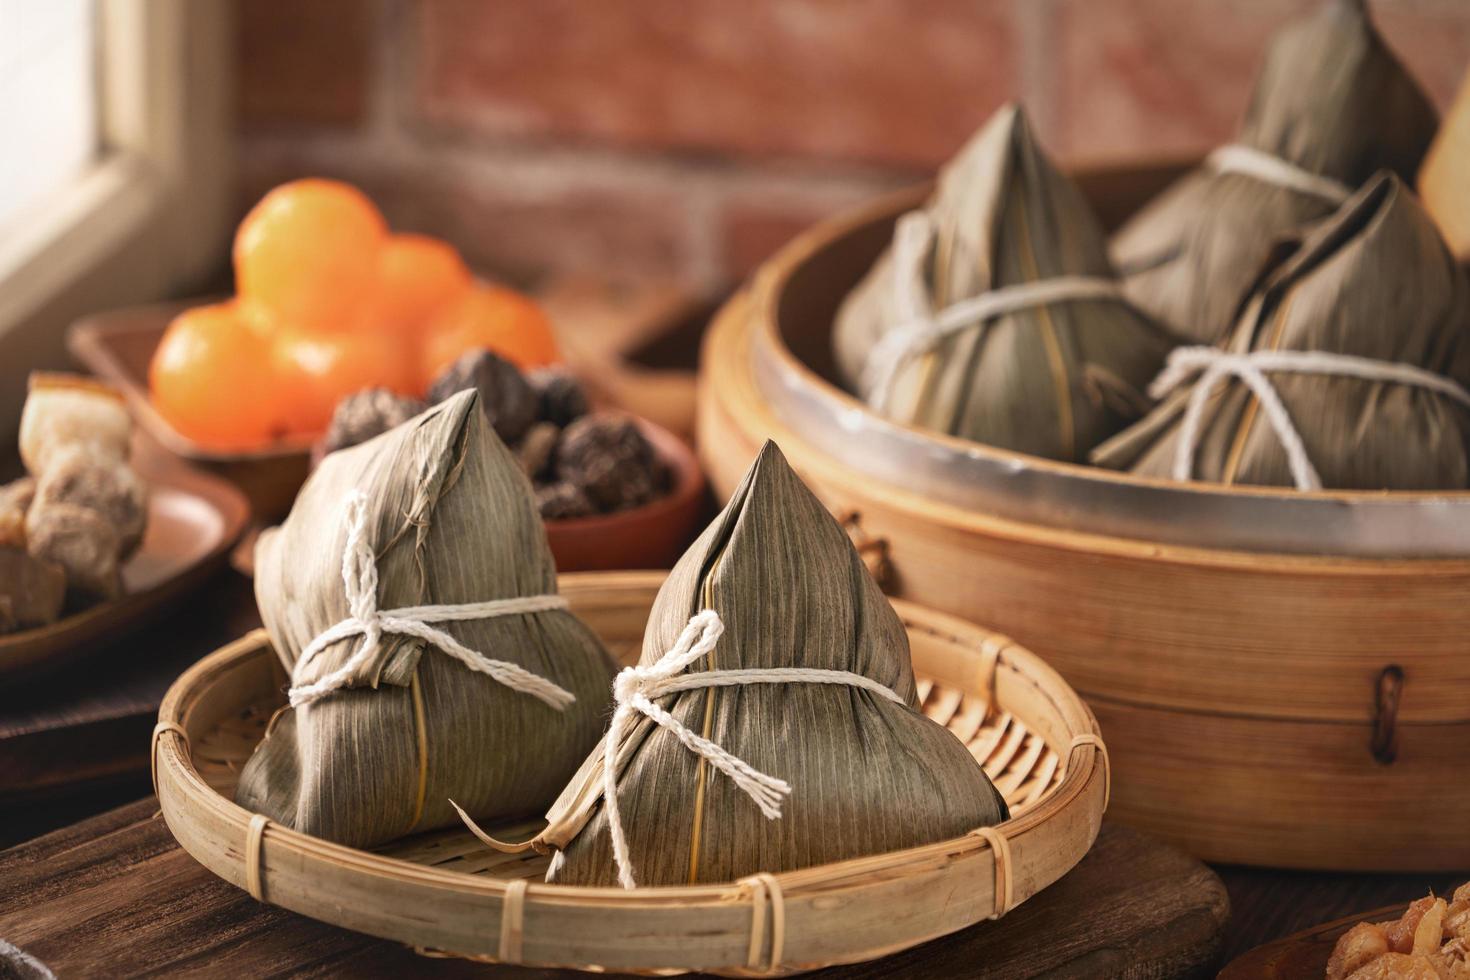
[(1425, 942), (18, 494), (1397, 966), (563, 400), (1401, 934), (83, 543), (368, 413), (1457, 916), (108, 487), (68, 410), (15, 500), (1359, 946), (561, 500), (537, 449), (32, 589), (1430, 931), (509, 403), (609, 458)]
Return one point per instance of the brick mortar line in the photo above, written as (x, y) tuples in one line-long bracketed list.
[(557, 170)]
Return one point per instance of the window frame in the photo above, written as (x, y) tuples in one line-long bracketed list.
[(151, 215)]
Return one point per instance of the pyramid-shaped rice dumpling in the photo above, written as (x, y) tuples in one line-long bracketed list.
[(995, 314), (865, 771), (1361, 339), (479, 685), (1332, 106)]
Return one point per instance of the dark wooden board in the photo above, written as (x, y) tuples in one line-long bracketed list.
[(67, 734), (115, 896)]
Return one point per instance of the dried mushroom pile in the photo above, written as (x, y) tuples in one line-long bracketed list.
[(581, 462), (67, 527)]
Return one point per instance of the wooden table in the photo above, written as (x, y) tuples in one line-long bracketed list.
[(115, 896), (64, 756)]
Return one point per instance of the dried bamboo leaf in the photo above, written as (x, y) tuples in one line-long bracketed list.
[(1331, 99), (451, 518), (1051, 379), (1374, 281), (867, 774)]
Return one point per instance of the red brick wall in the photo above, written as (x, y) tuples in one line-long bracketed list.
[(689, 138)]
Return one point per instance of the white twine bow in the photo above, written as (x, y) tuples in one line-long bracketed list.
[(635, 688), (360, 577), (1214, 365), (1235, 158), (920, 329)]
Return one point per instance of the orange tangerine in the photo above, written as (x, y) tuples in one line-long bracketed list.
[(308, 252), (492, 317), (211, 380), (418, 277), (316, 370)]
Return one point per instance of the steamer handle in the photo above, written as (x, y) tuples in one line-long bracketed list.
[(872, 550), (1388, 691)]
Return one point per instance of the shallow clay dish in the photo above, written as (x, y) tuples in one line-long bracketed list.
[(193, 520)]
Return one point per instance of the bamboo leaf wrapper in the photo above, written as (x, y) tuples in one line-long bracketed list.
[(1052, 378), (1376, 283), (451, 520), (1331, 102), (866, 774)]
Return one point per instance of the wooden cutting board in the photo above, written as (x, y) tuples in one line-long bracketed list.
[(115, 896)]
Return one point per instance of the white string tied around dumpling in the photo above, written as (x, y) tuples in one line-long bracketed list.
[(360, 578), (920, 329), (1214, 366), (1236, 158), (635, 689)]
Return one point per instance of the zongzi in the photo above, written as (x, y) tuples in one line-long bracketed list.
[(772, 720), (995, 315), (396, 703), (1348, 368), (1332, 106)]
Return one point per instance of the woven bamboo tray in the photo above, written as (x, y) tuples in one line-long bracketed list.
[(447, 894), (1292, 710)]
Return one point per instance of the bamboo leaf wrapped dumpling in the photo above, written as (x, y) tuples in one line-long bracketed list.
[(995, 315), (1348, 368), (1331, 107), (803, 769), (476, 684)]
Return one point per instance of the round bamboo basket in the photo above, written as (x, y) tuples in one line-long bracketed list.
[(1279, 709), (447, 894)]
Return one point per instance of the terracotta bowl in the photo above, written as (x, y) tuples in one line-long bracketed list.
[(651, 536)]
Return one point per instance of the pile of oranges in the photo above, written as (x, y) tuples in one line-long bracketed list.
[(328, 302)]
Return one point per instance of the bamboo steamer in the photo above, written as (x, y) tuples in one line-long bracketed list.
[(448, 895), (1291, 710)]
